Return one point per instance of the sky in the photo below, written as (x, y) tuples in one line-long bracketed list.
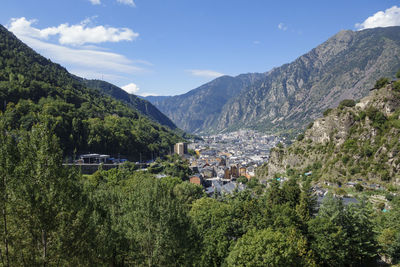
[(168, 47)]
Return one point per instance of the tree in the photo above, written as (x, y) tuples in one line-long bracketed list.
[(8, 161), (381, 82), (343, 236), (213, 223), (306, 207), (47, 201), (269, 247)]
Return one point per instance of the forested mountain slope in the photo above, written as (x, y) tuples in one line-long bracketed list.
[(34, 89), (144, 106)]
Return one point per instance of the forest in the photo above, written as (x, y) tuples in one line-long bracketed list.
[(54, 216), (35, 90)]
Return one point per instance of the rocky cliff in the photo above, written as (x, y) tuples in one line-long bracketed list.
[(354, 141)]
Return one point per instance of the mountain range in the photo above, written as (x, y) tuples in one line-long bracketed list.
[(286, 98)]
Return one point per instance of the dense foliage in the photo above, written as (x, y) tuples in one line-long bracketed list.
[(124, 217), (145, 107), (33, 90)]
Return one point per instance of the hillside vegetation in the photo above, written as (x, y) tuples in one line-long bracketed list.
[(356, 140), (35, 90)]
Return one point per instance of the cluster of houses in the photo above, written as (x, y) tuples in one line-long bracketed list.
[(221, 159)]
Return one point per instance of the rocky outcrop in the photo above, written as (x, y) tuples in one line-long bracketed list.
[(360, 141)]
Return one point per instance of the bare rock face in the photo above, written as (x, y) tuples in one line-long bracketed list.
[(346, 66)]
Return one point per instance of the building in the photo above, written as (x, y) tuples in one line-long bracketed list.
[(180, 149), (227, 173), (94, 159), (196, 179), (234, 171), (242, 171)]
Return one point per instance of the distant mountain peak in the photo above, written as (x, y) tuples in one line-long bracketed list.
[(286, 98)]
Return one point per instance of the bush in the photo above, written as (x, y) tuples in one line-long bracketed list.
[(300, 137), (398, 74), (355, 170), (381, 82), (359, 187), (326, 112), (345, 159), (347, 103), (389, 197), (377, 117), (310, 125), (396, 86)]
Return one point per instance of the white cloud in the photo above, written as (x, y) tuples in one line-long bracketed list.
[(148, 94), (131, 88), (389, 17), (205, 73), (95, 2), (93, 59), (127, 2), (78, 34), (282, 26)]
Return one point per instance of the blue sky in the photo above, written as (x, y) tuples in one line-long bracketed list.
[(168, 47)]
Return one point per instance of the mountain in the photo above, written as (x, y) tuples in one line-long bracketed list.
[(144, 106), (200, 108), (35, 90), (288, 97), (356, 141)]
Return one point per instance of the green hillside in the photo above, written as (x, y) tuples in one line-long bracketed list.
[(143, 106), (34, 89)]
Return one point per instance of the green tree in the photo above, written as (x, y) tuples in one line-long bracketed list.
[(8, 161), (269, 247), (213, 223), (381, 82)]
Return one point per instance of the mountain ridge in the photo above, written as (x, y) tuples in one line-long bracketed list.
[(286, 98)]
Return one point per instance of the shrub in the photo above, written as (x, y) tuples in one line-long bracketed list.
[(381, 82), (300, 137), (389, 197), (347, 103), (377, 117), (316, 165), (355, 170), (398, 74), (310, 125), (359, 187), (396, 86), (385, 176), (326, 112), (345, 159)]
